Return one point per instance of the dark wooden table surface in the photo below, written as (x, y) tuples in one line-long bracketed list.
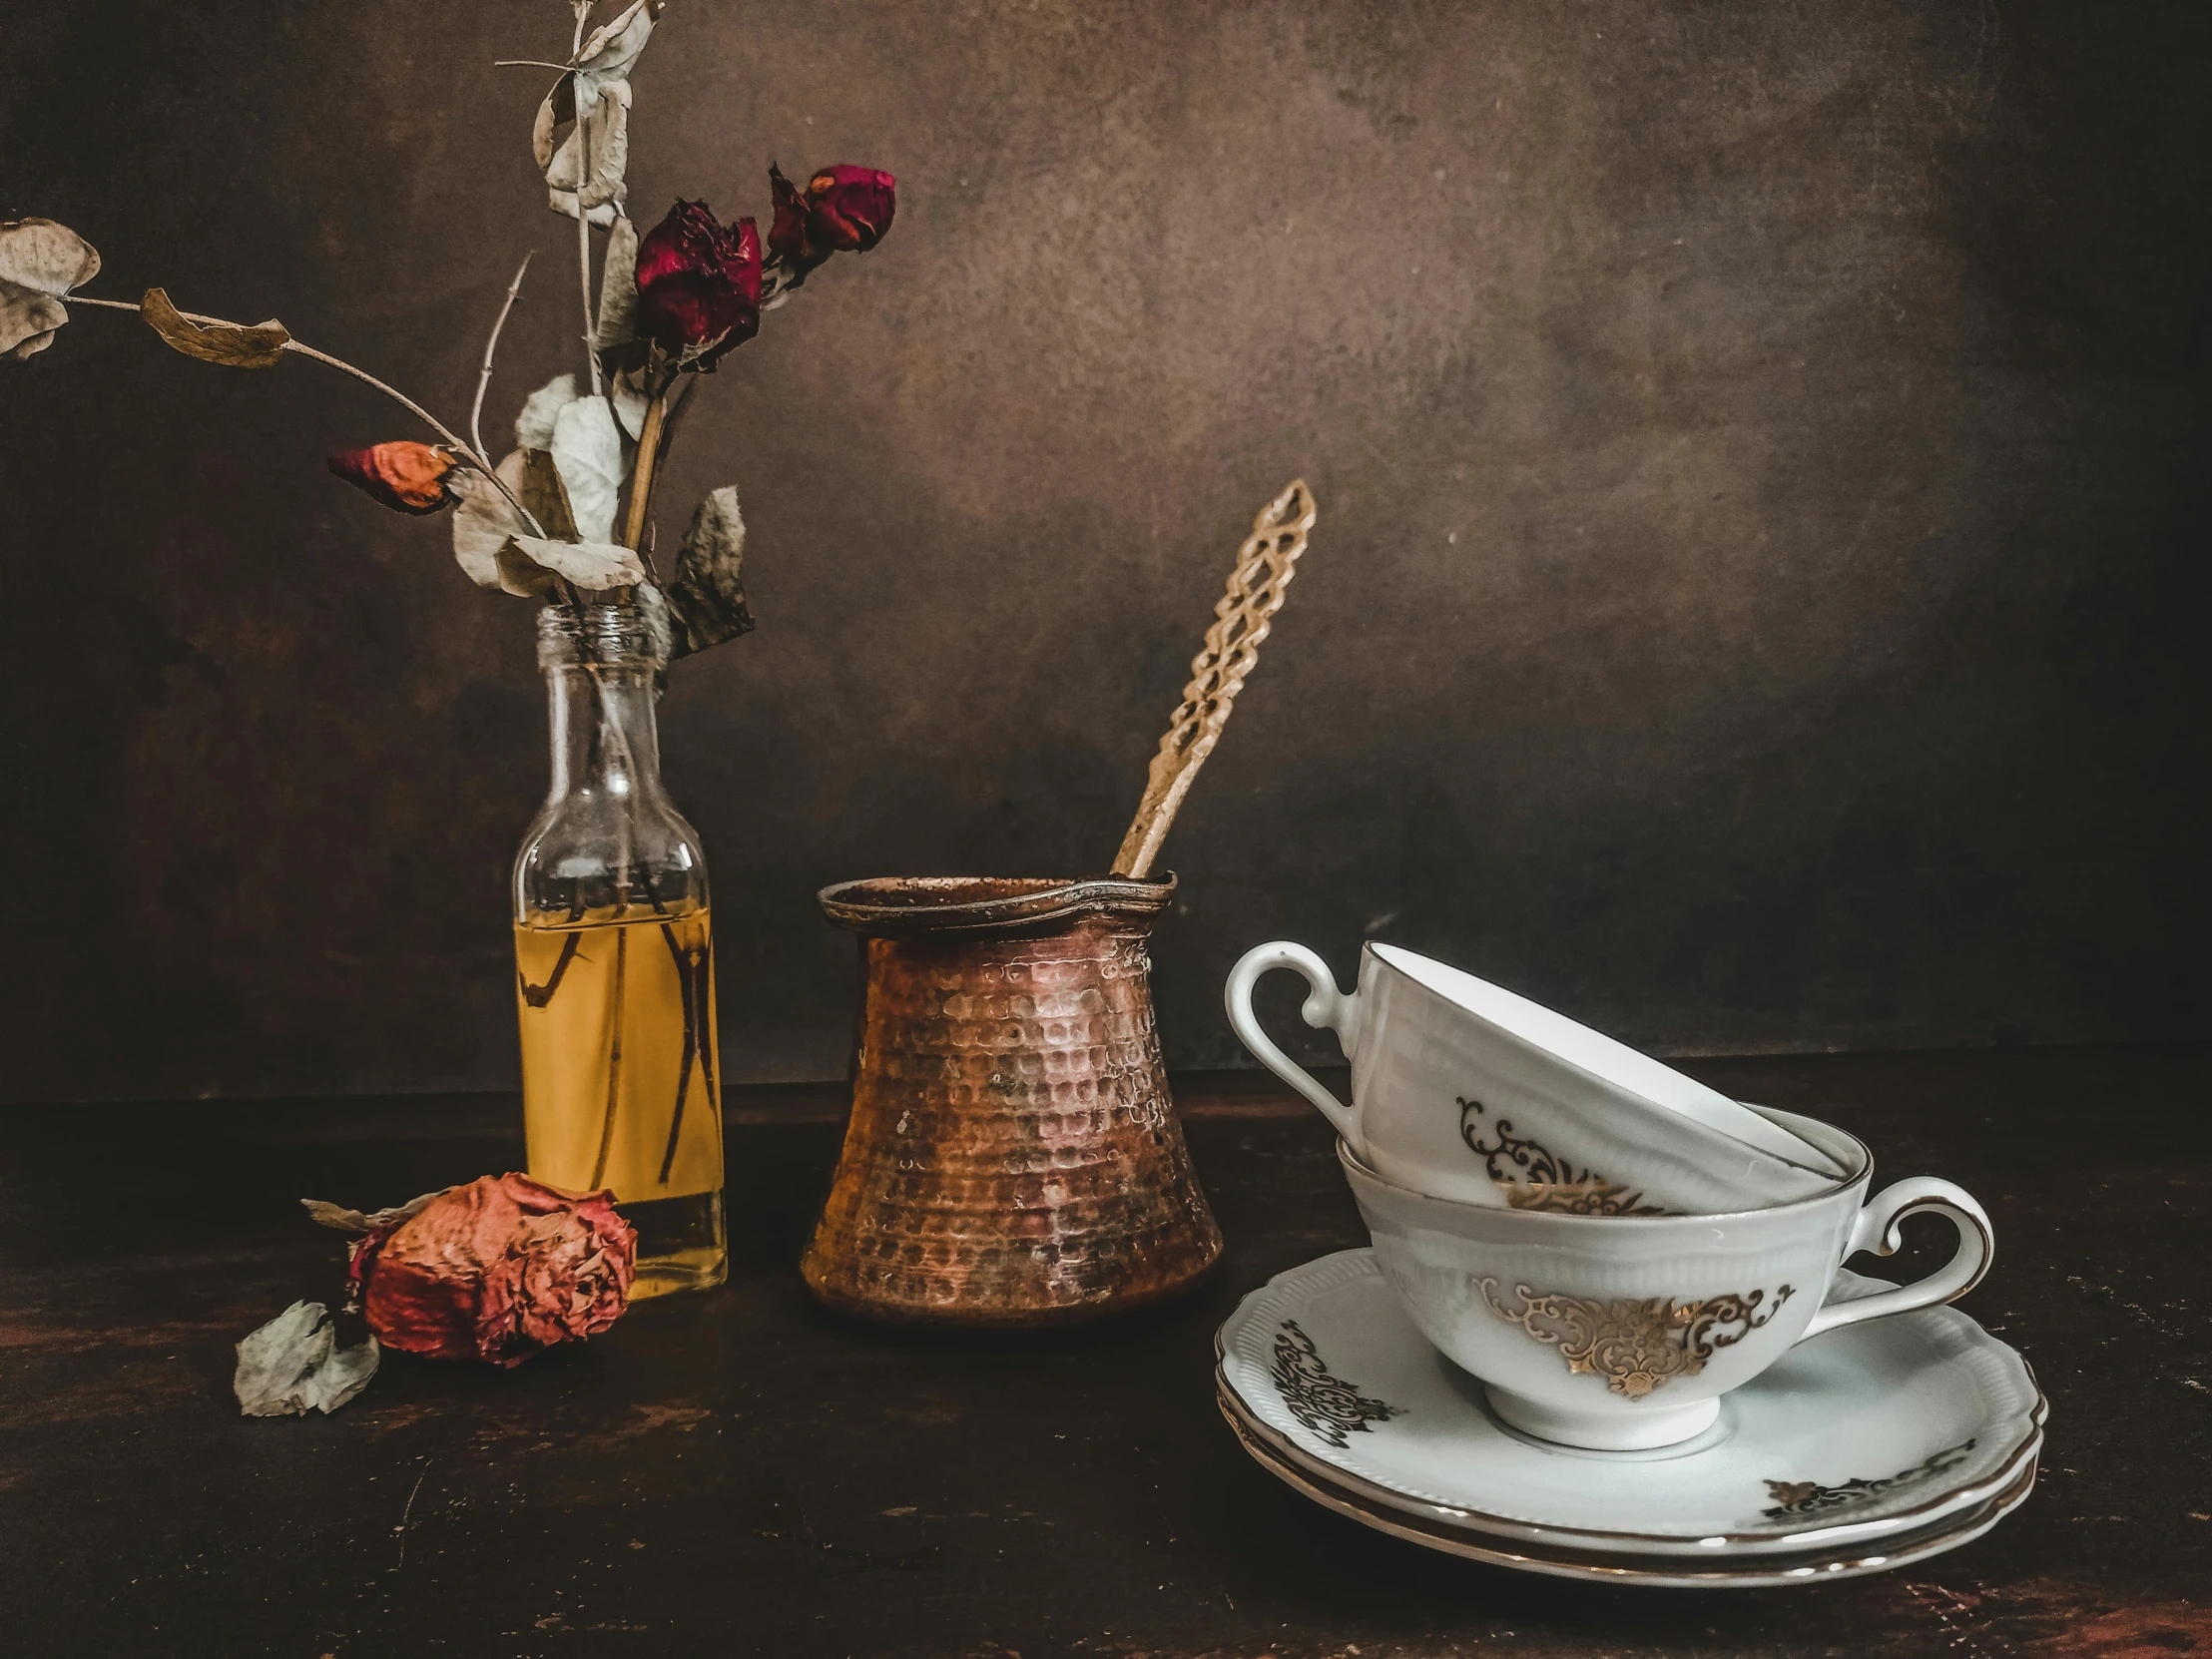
[(742, 1473)]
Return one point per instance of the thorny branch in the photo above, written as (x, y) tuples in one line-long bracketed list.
[(483, 376)]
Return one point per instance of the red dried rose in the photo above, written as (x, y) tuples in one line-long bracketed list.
[(699, 285), (496, 1269), (407, 476), (842, 209)]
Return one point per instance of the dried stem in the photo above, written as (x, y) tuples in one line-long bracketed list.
[(641, 480), (483, 376), (471, 455), (583, 253), (614, 1057)]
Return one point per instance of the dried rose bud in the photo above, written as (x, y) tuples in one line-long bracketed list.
[(699, 285), (842, 209), (408, 476), (496, 1269)]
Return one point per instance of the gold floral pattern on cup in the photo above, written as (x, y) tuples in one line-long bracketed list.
[(1636, 1344), (1532, 1179)]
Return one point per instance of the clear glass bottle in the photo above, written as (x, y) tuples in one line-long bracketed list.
[(614, 953)]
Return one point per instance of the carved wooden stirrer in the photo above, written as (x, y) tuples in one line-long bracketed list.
[(1265, 565)]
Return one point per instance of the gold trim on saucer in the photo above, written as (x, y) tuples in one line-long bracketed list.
[(1750, 1571)]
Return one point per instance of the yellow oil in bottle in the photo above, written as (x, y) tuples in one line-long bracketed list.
[(617, 1009)]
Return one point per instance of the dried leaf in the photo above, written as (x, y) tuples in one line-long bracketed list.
[(342, 1220), (602, 138), (555, 110), (706, 596), (618, 289), (534, 426), (40, 261), (485, 518), (659, 629), (529, 563), (260, 346), (293, 1366), (626, 390), (545, 496), (588, 449), (28, 320), (612, 48)]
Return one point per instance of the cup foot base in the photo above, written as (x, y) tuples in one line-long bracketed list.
[(1641, 1429)]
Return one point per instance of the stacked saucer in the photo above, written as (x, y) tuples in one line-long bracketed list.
[(1652, 1367)]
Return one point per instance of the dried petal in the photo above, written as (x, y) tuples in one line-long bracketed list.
[(407, 476), (498, 1270), (706, 599), (588, 449), (342, 1220), (260, 346), (40, 261), (293, 1364)]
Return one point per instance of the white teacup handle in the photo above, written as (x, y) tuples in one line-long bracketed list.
[(1875, 1229), (1324, 1005)]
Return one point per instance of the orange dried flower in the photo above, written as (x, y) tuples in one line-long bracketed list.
[(409, 477)]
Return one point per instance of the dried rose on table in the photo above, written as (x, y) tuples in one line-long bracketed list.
[(497, 1270)]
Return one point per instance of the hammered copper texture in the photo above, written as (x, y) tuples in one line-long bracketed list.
[(1013, 1157)]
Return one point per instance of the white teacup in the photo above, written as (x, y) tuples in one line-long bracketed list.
[(1462, 1089), (1622, 1333)]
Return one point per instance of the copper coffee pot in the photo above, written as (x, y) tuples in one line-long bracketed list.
[(1013, 1158)]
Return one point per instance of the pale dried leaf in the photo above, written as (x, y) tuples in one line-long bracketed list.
[(618, 291), (534, 426), (604, 133), (44, 256), (626, 390), (614, 45), (485, 518), (341, 1220), (293, 1366), (545, 496), (706, 596), (40, 261), (228, 343), (588, 449), (659, 625), (594, 565), (555, 110), (28, 320)]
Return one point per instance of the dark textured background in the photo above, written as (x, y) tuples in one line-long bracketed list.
[(1757, 604)]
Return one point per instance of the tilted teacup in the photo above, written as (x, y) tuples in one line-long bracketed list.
[(1622, 1333), (1464, 1089)]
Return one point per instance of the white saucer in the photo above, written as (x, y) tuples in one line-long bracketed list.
[(1871, 1444)]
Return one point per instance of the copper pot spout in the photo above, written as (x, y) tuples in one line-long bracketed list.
[(1013, 1158)]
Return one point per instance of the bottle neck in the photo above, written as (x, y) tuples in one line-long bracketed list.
[(600, 673)]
